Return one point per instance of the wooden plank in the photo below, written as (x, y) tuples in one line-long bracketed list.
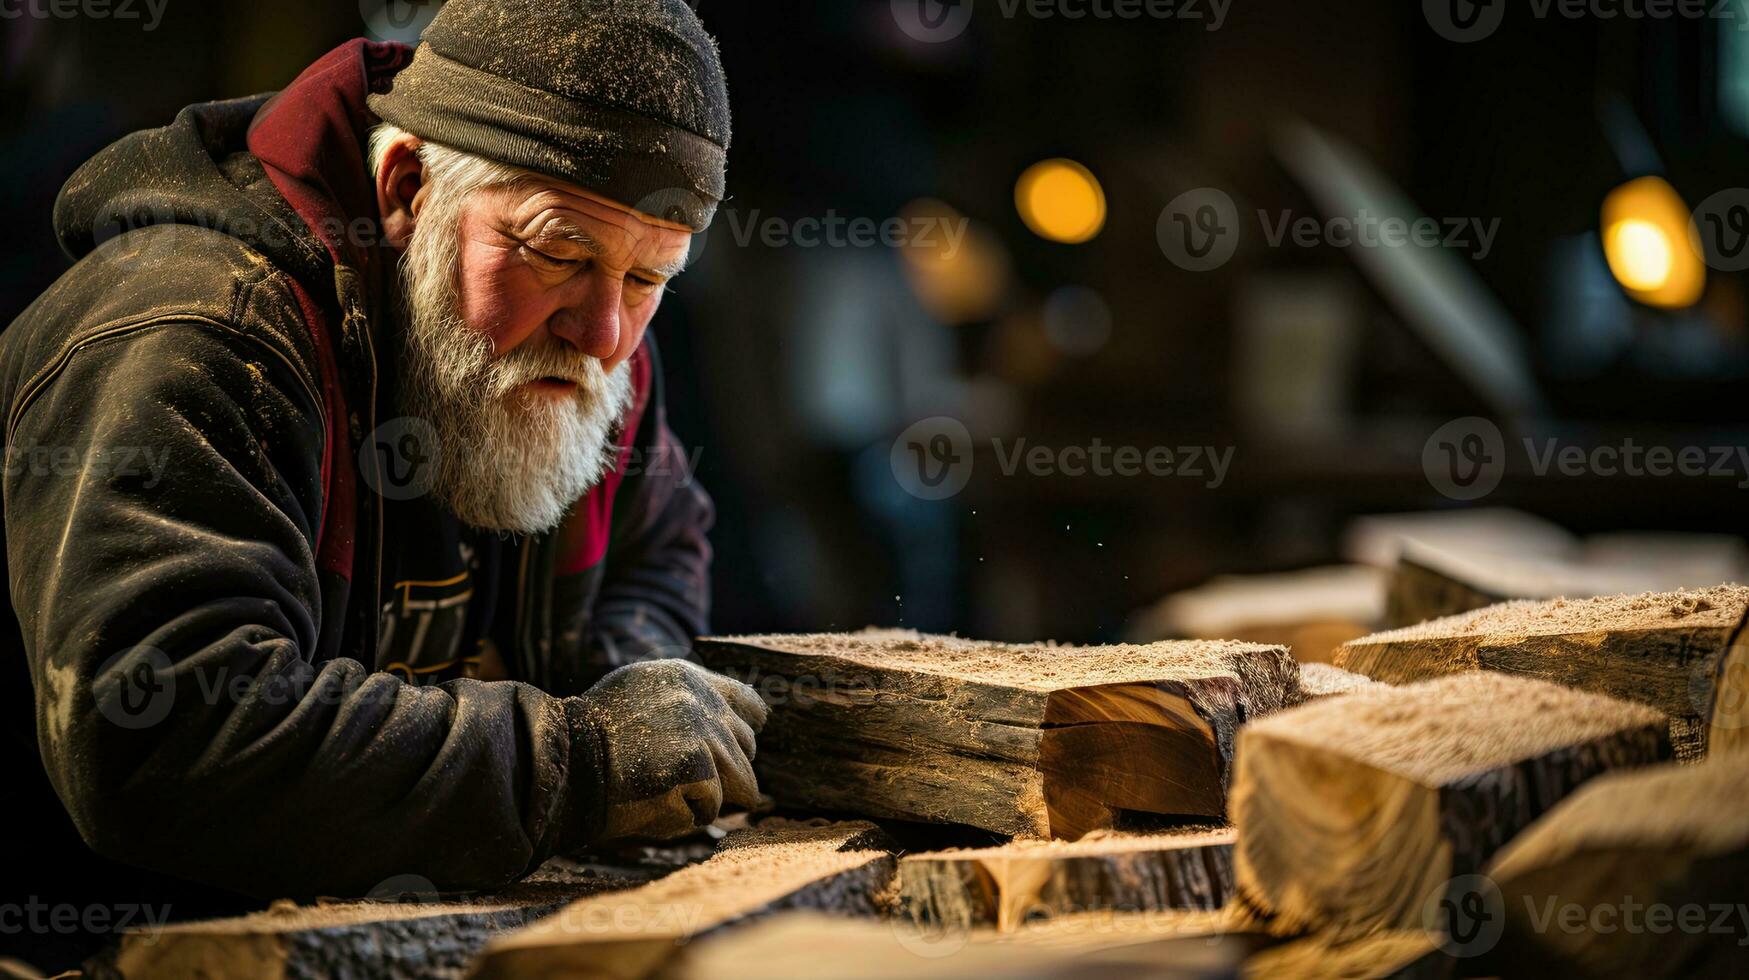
[(1353, 809), (779, 864), (1660, 648), (1638, 874), (1023, 882), (1023, 740), (811, 946), (1397, 954), (413, 932)]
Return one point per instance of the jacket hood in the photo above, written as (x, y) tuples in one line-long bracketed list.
[(284, 173), (195, 171)]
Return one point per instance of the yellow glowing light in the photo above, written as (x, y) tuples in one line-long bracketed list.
[(1652, 246), (1061, 200), (1639, 255)]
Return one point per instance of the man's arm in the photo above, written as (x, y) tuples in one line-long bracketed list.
[(166, 591)]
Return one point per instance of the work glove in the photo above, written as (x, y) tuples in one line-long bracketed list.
[(677, 742)]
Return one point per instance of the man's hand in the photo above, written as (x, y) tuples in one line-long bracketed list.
[(679, 744)]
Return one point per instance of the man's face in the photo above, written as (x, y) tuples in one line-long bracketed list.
[(554, 265), (522, 305)]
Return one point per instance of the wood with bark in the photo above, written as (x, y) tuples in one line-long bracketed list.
[(1353, 810), (1025, 881), (1638, 874), (842, 868), (412, 933), (1023, 740), (1663, 649)]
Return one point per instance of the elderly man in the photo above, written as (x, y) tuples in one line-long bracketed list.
[(346, 537)]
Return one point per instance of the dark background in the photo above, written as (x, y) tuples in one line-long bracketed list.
[(793, 369)]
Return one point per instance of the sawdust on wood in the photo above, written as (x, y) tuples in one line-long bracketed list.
[(1443, 729), (1027, 666), (1721, 606)]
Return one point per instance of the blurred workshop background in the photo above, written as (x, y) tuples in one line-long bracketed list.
[(1169, 230)]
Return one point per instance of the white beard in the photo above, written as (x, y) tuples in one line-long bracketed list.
[(506, 460)]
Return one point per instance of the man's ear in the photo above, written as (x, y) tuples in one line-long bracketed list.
[(400, 190)]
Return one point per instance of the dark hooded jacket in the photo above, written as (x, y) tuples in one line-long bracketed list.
[(248, 648)]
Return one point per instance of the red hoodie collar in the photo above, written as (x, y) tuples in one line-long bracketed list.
[(313, 139)]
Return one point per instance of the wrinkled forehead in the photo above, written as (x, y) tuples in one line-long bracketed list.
[(543, 208), (538, 193)]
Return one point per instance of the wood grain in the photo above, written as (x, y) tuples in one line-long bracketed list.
[(1662, 649), (1638, 874), (841, 868), (1353, 810), (1023, 740), (413, 935), (1014, 885)]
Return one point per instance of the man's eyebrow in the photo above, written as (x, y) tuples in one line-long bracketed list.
[(560, 229), (667, 270)]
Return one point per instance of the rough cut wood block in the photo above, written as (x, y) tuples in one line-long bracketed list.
[(1638, 874), (421, 934), (841, 868), (1030, 880), (1024, 740), (1353, 809), (1660, 648)]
